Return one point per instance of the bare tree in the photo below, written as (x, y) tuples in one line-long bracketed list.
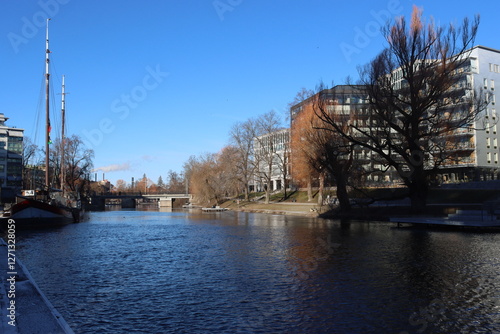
[(411, 87), (242, 139), (78, 163), (212, 176), (31, 163), (268, 145), (175, 183), (318, 146)]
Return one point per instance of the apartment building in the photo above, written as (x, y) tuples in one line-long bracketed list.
[(11, 164), (473, 148), (484, 72)]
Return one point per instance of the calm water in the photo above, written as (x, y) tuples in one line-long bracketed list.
[(181, 272)]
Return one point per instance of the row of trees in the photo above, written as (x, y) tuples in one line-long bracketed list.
[(175, 184), (250, 158)]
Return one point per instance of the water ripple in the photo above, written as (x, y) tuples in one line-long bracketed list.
[(158, 272)]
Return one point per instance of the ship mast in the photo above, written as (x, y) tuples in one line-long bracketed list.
[(63, 138), (47, 118)]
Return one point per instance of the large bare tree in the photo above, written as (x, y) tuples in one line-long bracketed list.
[(242, 139), (78, 161), (416, 99)]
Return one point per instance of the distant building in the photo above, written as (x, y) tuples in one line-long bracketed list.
[(11, 160), (271, 157)]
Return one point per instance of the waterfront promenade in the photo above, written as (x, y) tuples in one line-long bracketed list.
[(24, 308)]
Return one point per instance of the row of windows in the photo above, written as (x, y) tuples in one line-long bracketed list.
[(495, 157), (488, 142), (494, 68), (492, 84), (15, 147)]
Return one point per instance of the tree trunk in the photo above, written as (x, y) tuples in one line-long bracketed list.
[(418, 190), (309, 189), (321, 188), (268, 190), (247, 197), (342, 195)]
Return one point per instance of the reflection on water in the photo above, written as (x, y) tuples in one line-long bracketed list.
[(182, 272)]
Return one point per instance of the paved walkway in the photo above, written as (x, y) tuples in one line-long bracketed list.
[(22, 303)]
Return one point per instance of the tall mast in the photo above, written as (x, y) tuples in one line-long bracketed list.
[(63, 138), (47, 119)]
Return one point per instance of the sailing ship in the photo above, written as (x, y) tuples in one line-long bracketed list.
[(43, 208)]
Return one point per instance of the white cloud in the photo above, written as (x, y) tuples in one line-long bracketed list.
[(114, 168)]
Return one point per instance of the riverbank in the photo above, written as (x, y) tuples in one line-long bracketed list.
[(391, 202), (281, 208), (23, 306)]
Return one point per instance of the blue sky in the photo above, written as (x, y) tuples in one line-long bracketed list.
[(152, 82)]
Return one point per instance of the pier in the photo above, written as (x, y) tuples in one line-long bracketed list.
[(23, 306)]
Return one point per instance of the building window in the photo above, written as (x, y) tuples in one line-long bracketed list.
[(492, 84), (488, 157), (495, 142), (488, 142), (485, 83)]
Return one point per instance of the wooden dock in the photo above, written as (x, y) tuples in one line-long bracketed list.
[(214, 209), (462, 218)]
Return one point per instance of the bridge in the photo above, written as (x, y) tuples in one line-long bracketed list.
[(132, 200)]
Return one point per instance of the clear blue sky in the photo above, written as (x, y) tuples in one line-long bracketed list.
[(153, 82)]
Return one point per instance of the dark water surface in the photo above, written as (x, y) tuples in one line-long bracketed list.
[(181, 272)]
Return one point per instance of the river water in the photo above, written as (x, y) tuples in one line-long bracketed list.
[(190, 272)]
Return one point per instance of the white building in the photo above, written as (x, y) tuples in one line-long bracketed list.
[(11, 162), (484, 72), (271, 158)]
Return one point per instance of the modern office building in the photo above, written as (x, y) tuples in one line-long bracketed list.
[(271, 158), (484, 72), (11, 162), (473, 148)]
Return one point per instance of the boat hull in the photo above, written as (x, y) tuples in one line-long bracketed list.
[(36, 214)]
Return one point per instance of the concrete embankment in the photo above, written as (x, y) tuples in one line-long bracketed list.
[(24, 309), (281, 208)]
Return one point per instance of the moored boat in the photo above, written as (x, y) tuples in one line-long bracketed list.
[(41, 210), (30, 213)]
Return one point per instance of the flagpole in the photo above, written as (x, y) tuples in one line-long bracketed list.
[(47, 119)]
